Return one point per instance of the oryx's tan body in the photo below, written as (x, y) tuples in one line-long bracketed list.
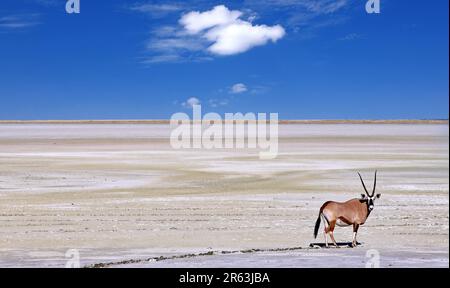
[(347, 213)]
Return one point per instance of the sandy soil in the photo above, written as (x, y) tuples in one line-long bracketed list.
[(121, 196)]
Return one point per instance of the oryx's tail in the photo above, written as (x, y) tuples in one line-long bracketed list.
[(316, 228)]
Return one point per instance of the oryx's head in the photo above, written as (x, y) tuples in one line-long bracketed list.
[(370, 198)]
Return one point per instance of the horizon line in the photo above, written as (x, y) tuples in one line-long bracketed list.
[(291, 121)]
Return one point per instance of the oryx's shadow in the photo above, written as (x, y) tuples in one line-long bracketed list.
[(340, 244)]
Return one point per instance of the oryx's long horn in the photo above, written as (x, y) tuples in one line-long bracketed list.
[(374, 183), (363, 184)]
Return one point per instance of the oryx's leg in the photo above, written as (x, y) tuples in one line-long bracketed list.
[(326, 229), (325, 237), (355, 231), (332, 225)]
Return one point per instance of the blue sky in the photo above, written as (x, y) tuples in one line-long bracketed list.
[(305, 59)]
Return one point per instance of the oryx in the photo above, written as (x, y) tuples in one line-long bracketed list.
[(353, 212)]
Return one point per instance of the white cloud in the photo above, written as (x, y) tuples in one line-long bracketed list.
[(241, 36), (228, 34), (351, 36), (48, 2), (238, 88), (189, 103), (175, 43), (324, 6), (214, 103), (19, 21), (200, 35), (170, 44), (163, 58), (157, 10), (195, 21), (314, 6), (307, 16)]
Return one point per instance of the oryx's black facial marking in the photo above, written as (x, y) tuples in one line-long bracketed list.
[(370, 203)]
